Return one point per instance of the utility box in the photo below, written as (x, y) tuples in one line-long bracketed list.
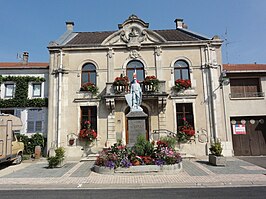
[(11, 149)]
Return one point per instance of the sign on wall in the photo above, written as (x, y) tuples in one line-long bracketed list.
[(239, 129)]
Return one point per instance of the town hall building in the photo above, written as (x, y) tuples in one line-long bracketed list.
[(180, 73)]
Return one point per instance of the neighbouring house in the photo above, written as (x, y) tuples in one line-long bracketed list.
[(24, 93), (246, 108), (88, 74)]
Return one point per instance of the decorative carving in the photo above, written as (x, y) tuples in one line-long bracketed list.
[(134, 54), (110, 53), (158, 51), (133, 36), (110, 103)]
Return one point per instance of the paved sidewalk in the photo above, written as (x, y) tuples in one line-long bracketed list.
[(195, 173)]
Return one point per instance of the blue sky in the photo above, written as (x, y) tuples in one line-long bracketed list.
[(29, 25)]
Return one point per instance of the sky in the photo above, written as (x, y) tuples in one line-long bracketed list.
[(30, 25)]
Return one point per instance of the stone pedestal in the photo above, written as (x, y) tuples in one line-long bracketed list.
[(136, 125)]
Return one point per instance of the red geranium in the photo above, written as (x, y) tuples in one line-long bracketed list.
[(86, 133)]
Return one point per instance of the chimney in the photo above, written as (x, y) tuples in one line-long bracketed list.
[(180, 24), (25, 58), (70, 25)]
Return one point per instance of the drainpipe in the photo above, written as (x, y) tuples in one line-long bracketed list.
[(59, 98), (210, 93)]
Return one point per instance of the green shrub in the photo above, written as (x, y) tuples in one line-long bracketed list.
[(31, 142), (142, 147), (171, 142), (54, 161), (216, 148)]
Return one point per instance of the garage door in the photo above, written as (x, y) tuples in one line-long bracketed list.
[(249, 136)]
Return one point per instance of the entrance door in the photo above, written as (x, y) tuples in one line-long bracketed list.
[(249, 136), (145, 110)]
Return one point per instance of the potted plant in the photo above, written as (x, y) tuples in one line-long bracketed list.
[(90, 87), (151, 83), (181, 84), (216, 158)]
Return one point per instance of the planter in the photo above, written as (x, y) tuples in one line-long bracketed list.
[(217, 160), (103, 170), (139, 169)]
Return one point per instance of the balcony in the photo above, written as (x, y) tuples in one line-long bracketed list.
[(247, 95), (149, 92), (120, 91)]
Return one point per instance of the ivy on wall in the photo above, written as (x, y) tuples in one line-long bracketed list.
[(21, 92)]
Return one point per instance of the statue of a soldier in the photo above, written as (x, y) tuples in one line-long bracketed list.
[(135, 97)]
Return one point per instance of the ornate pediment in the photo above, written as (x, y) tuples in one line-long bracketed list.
[(133, 32)]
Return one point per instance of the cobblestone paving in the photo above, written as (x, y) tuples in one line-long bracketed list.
[(40, 170), (195, 172)]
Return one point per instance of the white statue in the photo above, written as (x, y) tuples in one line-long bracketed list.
[(134, 98)]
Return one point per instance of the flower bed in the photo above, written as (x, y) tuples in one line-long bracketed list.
[(142, 157)]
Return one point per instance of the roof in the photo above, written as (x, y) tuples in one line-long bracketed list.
[(21, 65), (89, 38), (244, 67), (96, 38)]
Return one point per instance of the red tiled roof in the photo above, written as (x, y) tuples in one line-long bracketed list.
[(244, 67), (21, 65)]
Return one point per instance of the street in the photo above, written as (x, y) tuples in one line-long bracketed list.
[(228, 192)]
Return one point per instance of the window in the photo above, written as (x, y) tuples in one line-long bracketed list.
[(181, 70), (88, 74), (138, 66), (35, 121), (245, 87), (8, 111), (89, 113), (9, 90), (184, 111), (36, 89)]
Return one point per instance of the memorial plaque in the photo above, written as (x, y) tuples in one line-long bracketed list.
[(136, 126)]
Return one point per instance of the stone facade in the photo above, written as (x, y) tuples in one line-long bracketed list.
[(111, 53)]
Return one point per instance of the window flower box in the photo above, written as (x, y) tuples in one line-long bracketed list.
[(90, 87), (181, 85)]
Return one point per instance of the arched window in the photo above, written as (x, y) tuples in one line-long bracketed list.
[(131, 66), (88, 74), (181, 70)]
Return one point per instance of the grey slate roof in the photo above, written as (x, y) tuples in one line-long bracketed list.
[(96, 38)]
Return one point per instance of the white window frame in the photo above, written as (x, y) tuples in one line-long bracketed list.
[(40, 90), (7, 95)]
